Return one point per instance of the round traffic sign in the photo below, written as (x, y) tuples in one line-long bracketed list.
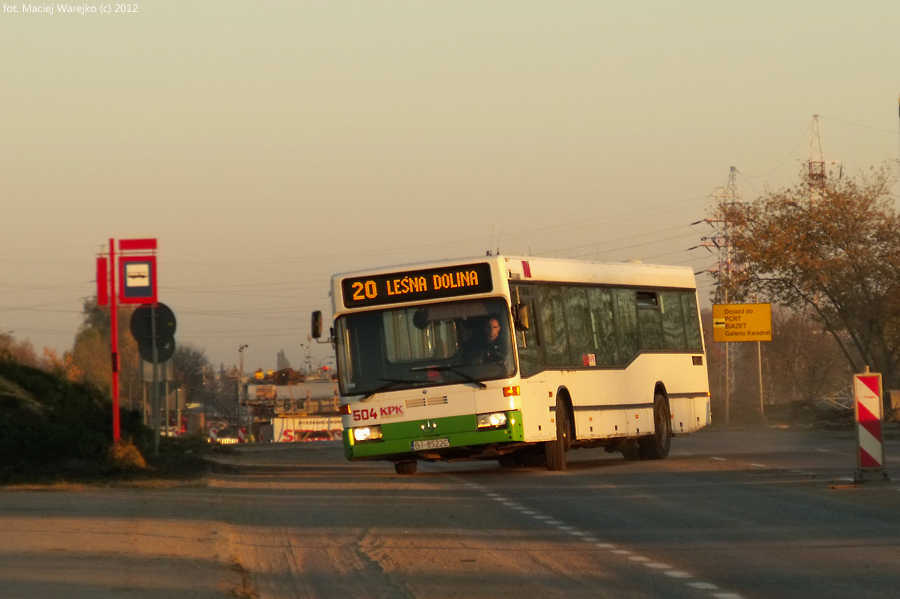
[(165, 349), (142, 323)]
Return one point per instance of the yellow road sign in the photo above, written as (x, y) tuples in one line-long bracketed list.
[(742, 322)]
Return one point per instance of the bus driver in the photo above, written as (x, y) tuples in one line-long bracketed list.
[(491, 349)]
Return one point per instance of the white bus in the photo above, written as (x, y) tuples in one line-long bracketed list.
[(517, 359)]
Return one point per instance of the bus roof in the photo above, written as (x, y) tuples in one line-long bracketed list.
[(600, 273), (527, 268)]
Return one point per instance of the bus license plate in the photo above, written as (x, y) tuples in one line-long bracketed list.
[(430, 444)]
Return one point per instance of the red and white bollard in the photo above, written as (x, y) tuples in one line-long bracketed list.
[(869, 410)]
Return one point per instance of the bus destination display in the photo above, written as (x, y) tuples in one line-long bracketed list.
[(415, 285)]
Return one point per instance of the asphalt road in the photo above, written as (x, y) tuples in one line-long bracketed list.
[(756, 513)]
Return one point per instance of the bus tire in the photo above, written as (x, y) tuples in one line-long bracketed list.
[(656, 446), (555, 451), (405, 467)]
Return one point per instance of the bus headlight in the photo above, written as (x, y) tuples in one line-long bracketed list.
[(492, 420), (367, 433)]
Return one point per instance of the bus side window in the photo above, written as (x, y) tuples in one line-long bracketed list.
[(553, 326), (650, 317), (691, 321), (532, 337), (603, 326), (626, 324), (578, 319), (672, 320)]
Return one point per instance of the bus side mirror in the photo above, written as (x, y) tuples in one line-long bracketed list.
[(316, 324), (523, 317)]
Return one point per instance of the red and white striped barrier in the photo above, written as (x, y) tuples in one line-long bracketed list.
[(869, 426)]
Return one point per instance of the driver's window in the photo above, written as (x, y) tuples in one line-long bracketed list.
[(527, 342)]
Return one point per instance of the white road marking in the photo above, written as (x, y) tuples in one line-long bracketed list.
[(703, 586), (664, 568)]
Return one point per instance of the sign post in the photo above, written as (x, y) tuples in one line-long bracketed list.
[(153, 327), (137, 279), (869, 411), (742, 322), (114, 341)]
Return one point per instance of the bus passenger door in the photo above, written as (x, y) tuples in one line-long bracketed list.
[(535, 403), (527, 341)]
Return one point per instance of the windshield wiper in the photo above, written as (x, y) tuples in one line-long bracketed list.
[(452, 369), (390, 383)]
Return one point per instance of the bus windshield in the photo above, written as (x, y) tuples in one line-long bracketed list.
[(464, 342)]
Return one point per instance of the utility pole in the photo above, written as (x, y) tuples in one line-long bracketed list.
[(240, 382), (816, 165), (728, 205), (817, 176)]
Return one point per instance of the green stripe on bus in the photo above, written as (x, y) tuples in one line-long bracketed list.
[(461, 431)]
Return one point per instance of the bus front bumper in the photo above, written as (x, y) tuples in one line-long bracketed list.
[(433, 438)]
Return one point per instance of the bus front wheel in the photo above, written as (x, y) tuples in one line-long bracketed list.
[(656, 446), (405, 467), (555, 451)]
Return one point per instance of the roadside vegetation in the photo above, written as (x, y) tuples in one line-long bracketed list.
[(824, 253), (53, 429)]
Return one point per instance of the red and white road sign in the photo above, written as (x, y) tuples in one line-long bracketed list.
[(869, 420)]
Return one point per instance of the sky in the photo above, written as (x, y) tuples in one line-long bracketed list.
[(269, 145)]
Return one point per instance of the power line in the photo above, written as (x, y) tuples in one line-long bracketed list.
[(618, 249), (802, 137), (894, 132)]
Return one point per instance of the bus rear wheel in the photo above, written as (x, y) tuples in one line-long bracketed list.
[(656, 446), (555, 451), (405, 467)]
